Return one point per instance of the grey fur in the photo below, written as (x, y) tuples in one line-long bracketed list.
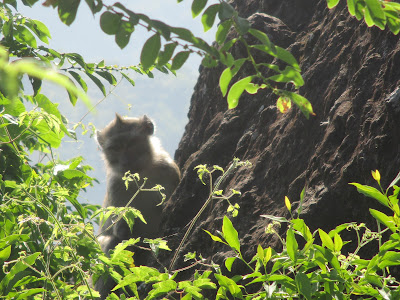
[(128, 144)]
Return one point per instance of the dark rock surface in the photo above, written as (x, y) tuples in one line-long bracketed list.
[(352, 79)]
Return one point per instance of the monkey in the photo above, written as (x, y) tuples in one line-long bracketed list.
[(128, 144)]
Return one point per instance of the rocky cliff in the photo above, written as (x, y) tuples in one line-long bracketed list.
[(352, 79)]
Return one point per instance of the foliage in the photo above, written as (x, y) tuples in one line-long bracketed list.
[(169, 47), (48, 249), (318, 269), (375, 12)]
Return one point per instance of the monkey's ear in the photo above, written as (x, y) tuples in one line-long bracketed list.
[(99, 138), (118, 120), (147, 125)]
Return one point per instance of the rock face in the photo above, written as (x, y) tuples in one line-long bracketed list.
[(352, 79)]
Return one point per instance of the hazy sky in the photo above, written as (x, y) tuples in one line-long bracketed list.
[(165, 99)]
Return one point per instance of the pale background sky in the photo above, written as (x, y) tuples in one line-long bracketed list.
[(165, 98)]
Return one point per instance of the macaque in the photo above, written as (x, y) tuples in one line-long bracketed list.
[(128, 144)]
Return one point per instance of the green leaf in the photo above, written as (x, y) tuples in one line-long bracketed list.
[(236, 91), (229, 284), (197, 7), (94, 5), (229, 262), (107, 76), (12, 239), (150, 51), (34, 69), (287, 57), (43, 102), (179, 59), (291, 244), (243, 25), (269, 49), (40, 30), (326, 240), (214, 237), (99, 84), (332, 3), (328, 256), (24, 36), (384, 219), (5, 254), (393, 20), (300, 226), (67, 10), (209, 62), (264, 254), (351, 6), (226, 11), (79, 79), (230, 234), (228, 74), (79, 208), (110, 22), (301, 102), (123, 34), (390, 258), (16, 272), (222, 31), (162, 28), (290, 74), (372, 192), (12, 107), (338, 243), (303, 284), (162, 288), (302, 194), (374, 14), (252, 88), (359, 9), (128, 78), (208, 17), (262, 37), (184, 34), (165, 56)]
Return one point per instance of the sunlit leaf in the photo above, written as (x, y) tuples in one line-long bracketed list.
[(229, 262), (291, 244), (23, 35), (236, 91), (374, 14), (332, 3), (371, 192), (67, 10), (208, 17), (197, 7), (230, 234), (222, 31), (326, 239)]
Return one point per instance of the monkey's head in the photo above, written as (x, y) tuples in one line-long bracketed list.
[(126, 144)]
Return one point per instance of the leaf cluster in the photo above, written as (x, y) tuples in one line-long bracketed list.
[(374, 12), (169, 47)]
